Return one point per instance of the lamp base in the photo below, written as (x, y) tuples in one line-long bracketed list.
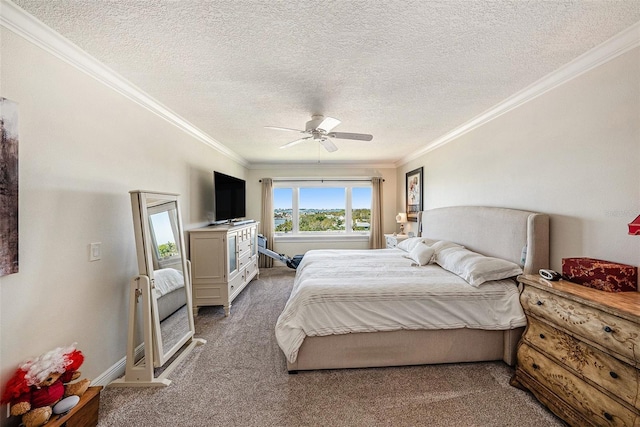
[(401, 228)]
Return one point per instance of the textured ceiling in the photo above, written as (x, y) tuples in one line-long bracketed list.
[(405, 71)]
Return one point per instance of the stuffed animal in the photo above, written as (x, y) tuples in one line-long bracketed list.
[(40, 383)]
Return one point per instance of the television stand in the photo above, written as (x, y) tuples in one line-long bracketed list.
[(224, 260), (242, 222)]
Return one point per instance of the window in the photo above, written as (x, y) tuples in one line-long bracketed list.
[(163, 226), (322, 208)]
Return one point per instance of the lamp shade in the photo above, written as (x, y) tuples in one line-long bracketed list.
[(634, 226), (401, 218)]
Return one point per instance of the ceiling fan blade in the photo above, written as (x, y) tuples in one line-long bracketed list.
[(297, 141), (328, 123), (348, 135), (287, 129), (328, 145)]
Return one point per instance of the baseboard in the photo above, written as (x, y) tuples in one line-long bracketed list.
[(117, 369)]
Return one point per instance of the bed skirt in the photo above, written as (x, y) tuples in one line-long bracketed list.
[(402, 348)]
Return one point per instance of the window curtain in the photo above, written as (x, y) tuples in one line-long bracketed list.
[(267, 220), (376, 234)]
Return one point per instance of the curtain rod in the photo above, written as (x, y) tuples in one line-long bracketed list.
[(322, 179)]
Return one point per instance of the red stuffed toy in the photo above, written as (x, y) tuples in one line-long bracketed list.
[(42, 382)]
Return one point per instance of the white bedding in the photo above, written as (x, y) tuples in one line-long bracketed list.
[(344, 291), (167, 280)]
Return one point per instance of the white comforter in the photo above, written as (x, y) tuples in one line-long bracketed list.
[(343, 291)]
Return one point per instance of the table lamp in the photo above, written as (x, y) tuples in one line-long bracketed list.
[(401, 219)]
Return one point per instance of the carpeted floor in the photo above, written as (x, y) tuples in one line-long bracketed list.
[(239, 378)]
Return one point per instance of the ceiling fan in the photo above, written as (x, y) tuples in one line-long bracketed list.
[(319, 129)]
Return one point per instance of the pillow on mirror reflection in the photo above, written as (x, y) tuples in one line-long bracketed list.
[(167, 280)]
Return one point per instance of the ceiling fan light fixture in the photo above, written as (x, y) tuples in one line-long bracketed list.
[(319, 129)]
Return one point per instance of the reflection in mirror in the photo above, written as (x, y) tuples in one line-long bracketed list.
[(168, 282), (160, 296)]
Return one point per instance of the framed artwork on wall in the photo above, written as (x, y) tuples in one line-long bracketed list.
[(414, 194), (8, 187)]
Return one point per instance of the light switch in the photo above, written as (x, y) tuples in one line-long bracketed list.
[(95, 251)]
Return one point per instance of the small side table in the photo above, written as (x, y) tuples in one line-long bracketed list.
[(393, 239), (84, 414)]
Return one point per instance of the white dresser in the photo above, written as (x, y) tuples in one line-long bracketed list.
[(224, 259), (580, 353), (393, 239)]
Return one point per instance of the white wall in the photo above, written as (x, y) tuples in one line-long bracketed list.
[(254, 195), (82, 148), (573, 153)]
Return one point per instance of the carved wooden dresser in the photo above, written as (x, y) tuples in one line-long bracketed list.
[(580, 353)]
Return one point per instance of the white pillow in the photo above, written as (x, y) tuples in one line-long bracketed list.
[(408, 244), (443, 244), (421, 254), (475, 268)]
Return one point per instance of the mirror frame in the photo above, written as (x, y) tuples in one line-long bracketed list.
[(143, 306), (144, 243)]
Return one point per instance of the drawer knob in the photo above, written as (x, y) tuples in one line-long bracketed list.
[(542, 336), (607, 329), (613, 374), (608, 416), (539, 302), (535, 366)]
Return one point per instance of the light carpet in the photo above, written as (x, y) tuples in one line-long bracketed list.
[(239, 378)]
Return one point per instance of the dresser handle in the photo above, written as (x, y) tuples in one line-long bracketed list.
[(608, 416), (539, 302), (542, 336), (534, 366), (613, 374), (607, 329)]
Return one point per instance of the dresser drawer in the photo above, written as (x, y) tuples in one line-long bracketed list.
[(589, 362), (591, 403), (235, 284), (608, 331), (244, 260), (243, 247), (252, 267), (391, 242)]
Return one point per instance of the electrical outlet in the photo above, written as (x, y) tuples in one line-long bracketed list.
[(95, 251)]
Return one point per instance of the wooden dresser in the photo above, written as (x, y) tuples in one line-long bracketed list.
[(580, 353), (224, 259)]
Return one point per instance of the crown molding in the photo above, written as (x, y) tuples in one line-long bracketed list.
[(617, 45), (15, 19), (324, 165)]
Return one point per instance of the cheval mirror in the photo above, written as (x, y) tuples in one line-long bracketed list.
[(160, 296)]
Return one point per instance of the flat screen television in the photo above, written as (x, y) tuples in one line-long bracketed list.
[(229, 198)]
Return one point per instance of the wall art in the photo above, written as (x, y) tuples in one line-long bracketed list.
[(414, 194), (8, 187)]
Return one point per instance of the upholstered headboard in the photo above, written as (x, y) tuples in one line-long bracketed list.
[(503, 233)]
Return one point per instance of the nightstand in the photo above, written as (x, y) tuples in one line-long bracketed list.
[(579, 354), (393, 240)]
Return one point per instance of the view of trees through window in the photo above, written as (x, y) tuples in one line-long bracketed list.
[(167, 249), (163, 232), (322, 209)]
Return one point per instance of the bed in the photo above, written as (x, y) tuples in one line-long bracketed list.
[(314, 334), (169, 291)]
